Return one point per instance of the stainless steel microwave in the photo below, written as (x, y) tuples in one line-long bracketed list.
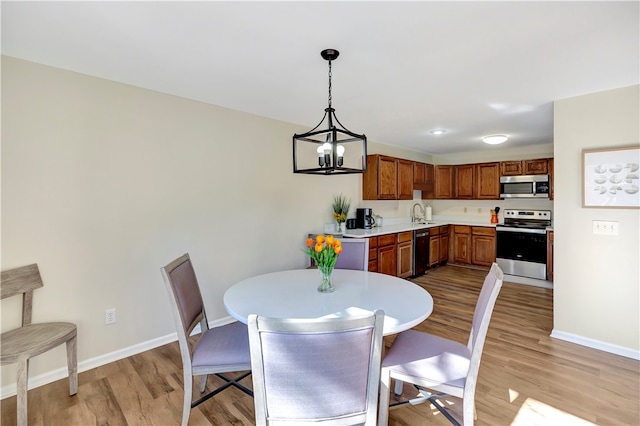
[(533, 186)]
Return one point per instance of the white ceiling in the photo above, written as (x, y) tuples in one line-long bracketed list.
[(405, 68)]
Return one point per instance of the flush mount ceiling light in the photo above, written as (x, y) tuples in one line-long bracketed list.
[(322, 151), (438, 132), (494, 139)]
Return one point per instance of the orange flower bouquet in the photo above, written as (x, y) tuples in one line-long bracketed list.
[(324, 251)]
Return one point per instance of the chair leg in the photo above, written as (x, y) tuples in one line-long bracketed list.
[(203, 382), (72, 364), (188, 389), (21, 392), (383, 410)]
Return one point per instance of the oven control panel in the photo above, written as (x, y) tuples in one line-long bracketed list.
[(528, 214)]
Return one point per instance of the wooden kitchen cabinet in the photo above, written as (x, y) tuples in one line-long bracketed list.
[(461, 244), (444, 244), (443, 176), (434, 246), (373, 254), (427, 185), (387, 178), (419, 175), (550, 255), (511, 168), (405, 254), (379, 181), (404, 179), (483, 245), (387, 255), (488, 181), (438, 245), (539, 166), (463, 181)]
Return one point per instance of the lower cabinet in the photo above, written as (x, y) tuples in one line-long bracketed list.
[(438, 245), (444, 244), (405, 254), (373, 254), (392, 254), (387, 255), (475, 245), (483, 245), (461, 244)]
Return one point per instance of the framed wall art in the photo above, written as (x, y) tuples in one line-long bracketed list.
[(611, 177)]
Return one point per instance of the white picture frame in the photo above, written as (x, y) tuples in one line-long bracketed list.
[(611, 178)]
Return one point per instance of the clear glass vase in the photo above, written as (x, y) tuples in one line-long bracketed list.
[(326, 283), (340, 227)]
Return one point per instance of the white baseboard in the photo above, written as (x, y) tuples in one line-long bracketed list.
[(61, 373), (596, 344)]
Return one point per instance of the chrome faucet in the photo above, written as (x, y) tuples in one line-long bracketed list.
[(415, 218)]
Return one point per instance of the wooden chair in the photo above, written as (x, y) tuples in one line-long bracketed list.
[(23, 343), (442, 365), (219, 350), (316, 371)]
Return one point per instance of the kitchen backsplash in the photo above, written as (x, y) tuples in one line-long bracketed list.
[(474, 210)]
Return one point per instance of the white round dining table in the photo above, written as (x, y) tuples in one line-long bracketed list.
[(294, 294)]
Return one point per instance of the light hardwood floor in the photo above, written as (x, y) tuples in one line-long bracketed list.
[(526, 377)]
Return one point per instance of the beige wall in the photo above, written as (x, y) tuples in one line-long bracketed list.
[(597, 277), (104, 183)]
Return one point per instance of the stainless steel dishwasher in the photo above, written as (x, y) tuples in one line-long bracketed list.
[(420, 251)]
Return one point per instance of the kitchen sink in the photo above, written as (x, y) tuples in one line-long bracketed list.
[(424, 223)]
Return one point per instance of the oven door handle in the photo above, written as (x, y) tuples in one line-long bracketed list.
[(521, 230)]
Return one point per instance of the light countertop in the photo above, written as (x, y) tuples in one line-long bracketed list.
[(394, 228)]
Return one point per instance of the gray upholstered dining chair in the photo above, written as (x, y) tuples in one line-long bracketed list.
[(25, 342), (442, 365), (355, 254), (316, 370), (218, 350)]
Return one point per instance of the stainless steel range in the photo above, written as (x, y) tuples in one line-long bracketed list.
[(522, 243)]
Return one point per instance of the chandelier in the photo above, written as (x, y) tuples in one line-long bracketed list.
[(329, 146)]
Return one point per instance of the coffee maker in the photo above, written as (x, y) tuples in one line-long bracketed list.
[(364, 218)]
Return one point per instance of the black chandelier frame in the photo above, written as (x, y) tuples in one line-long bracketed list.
[(335, 134)]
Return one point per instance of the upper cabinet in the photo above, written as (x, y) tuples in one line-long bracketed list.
[(419, 175), (539, 166), (443, 176), (405, 179), (423, 179), (390, 178), (387, 178), (463, 179), (488, 181), (511, 168)]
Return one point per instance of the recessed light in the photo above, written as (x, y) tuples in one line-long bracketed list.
[(494, 139), (438, 132)]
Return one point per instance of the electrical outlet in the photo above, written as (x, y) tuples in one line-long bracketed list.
[(604, 227), (110, 316)]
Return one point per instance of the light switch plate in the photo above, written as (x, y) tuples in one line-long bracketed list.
[(605, 227)]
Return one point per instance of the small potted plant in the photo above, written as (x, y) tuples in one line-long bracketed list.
[(341, 207)]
